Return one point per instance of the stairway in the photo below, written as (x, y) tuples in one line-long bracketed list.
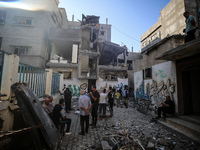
[(188, 125)]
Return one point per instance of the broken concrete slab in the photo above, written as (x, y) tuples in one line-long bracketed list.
[(105, 145), (34, 114)]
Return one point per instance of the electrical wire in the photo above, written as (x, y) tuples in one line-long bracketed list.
[(126, 34)]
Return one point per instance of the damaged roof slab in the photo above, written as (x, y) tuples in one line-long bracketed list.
[(183, 51), (109, 51)]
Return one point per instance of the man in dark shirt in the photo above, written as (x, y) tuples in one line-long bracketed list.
[(67, 96), (59, 116), (111, 95), (95, 102), (167, 107)]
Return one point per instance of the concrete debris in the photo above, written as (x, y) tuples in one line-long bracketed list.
[(129, 129), (105, 145)]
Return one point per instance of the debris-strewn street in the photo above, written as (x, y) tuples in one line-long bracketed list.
[(139, 130)]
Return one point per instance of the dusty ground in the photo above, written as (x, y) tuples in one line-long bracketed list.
[(151, 135)]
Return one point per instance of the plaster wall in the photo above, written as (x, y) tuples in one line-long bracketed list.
[(106, 28), (85, 41), (84, 62), (171, 20), (149, 60), (74, 84), (9, 77), (120, 83), (34, 36), (162, 83), (32, 60), (55, 50)]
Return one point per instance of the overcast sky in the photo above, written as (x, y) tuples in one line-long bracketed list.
[(129, 18)]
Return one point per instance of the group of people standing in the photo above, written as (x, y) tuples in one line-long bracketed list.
[(91, 102), (98, 103)]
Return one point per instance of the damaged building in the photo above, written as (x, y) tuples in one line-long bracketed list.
[(91, 58)]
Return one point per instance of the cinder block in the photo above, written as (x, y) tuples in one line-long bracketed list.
[(105, 145)]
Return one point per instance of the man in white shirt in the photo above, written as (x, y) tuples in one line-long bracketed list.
[(84, 105), (102, 104)]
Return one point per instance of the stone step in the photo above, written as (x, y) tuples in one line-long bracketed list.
[(191, 118), (185, 127)]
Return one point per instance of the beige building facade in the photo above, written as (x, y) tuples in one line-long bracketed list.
[(170, 22), (24, 31)]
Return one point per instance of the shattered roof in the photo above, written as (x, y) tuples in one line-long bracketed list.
[(109, 51), (90, 19)]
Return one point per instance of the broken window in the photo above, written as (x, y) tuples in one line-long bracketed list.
[(147, 73), (67, 75), (23, 21), (2, 17), (20, 50), (113, 77), (110, 77)]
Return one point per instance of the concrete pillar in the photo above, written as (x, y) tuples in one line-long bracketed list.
[(133, 63), (9, 74), (125, 58), (48, 81), (9, 77), (106, 20), (79, 66), (74, 53), (61, 82), (98, 62)]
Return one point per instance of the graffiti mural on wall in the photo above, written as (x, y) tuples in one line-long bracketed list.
[(137, 80), (161, 74), (140, 91), (76, 89), (156, 91), (121, 85)]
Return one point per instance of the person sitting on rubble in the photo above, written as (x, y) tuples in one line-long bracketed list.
[(59, 116), (167, 107), (47, 106)]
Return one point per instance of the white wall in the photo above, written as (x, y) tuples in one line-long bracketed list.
[(75, 85), (9, 77), (120, 83), (163, 83)]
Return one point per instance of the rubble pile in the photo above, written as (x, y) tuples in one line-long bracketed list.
[(142, 133), (128, 129)]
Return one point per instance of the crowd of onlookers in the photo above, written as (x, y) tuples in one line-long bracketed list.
[(93, 103), (96, 104)]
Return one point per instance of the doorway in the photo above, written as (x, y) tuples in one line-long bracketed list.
[(188, 81)]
